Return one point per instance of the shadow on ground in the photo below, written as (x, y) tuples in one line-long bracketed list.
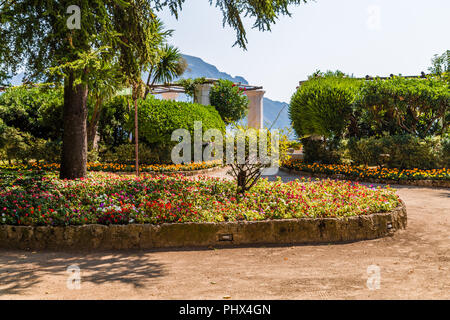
[(21, 272)]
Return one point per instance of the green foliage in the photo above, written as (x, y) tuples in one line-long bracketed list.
[(323, 105), (293, 144), (405, 151), (401, 106), (321, 150), (168, 65), (3, 128), (446, 150), (190, 84), (22, 146), (229, 100), (158, 119), (330, 107), (37, 111), (112, 119), (125, 154), (440, 64), (320, 112)]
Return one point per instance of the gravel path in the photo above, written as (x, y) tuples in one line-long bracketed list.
[(414, 264)]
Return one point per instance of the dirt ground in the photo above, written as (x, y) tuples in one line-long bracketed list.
[(413, 264)]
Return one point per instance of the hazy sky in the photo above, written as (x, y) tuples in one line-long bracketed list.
[(360, 37)]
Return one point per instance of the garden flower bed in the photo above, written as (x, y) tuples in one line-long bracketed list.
[(116, 167), (28, 199), (433, 177)]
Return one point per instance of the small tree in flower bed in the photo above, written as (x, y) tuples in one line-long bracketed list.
[(249, 156)]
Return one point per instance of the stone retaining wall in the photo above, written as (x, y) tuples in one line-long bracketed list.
[(292, 231), (419, 183)]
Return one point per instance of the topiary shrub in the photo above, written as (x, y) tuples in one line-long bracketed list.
[(158, 119), (229, 100), (322, 108)]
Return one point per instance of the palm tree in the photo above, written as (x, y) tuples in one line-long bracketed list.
[(168, 65)]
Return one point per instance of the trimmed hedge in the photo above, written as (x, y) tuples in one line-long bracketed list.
[(322, 106), (399, 106), (158, 119), (320, 111)]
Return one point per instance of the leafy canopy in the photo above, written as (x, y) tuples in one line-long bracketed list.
[(34, 37)]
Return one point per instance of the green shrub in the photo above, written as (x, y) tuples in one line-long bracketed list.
[(52, 151), (400, 106), (229, 100), (23, 147), (405, 151), (37, 111), (125, 154), (446, 151), (158, 119), (320, 150), (322, 106), (3, 127), (112, 119), (189, 85), (296, 145)]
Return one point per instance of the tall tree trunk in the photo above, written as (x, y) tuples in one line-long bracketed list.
[(74, 148)]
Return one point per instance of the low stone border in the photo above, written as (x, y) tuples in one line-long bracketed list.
[(419, 183), (135, 236)]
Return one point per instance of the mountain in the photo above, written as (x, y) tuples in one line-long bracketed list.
[(198, 68)]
